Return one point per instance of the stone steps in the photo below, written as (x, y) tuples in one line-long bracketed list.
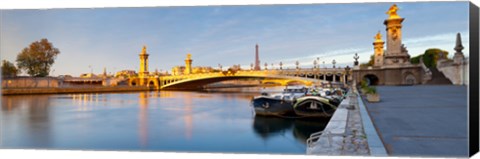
[(438, 78)]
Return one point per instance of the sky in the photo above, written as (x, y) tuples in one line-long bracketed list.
[(112, 38)]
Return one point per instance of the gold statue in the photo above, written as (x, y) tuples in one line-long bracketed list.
[(378, 37), (189, 56), (144, 49), (392, 12)]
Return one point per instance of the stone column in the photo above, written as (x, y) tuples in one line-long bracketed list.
[(188, 64), (396, 52), (378, 50)]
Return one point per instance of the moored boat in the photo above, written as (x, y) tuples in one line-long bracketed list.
[(278, 104), (315, 106)]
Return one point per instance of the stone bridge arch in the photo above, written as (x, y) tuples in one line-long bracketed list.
[(153, 83), (371, 79), (200, 82), (134, 82)]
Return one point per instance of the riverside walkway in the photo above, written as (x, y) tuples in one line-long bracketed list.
[(349, 132), (416, 121), (424, 120)]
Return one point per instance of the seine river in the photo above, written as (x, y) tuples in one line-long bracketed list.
[(214, 121)]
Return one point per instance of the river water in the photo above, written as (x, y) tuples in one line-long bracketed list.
[(213, 121)]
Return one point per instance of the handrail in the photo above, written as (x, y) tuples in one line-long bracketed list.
[(315, 136)]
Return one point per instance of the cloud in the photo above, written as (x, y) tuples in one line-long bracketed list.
[(113, 37)]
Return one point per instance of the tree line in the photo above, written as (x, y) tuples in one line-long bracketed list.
[(429, 58), (35, 60)]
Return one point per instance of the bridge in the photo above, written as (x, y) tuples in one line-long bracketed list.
[(306, 76)]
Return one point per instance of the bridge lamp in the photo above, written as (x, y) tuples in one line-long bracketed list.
[(272, 66), (314, 63), (251, 66), (334, 62), (297, 63), (356, 57), (266, 64), (280, 64), (347, 71)]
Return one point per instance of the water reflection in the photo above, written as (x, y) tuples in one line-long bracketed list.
[(304, 127), (34, 121), (156, 121), (143, 118), (187, 117), (270, 127)]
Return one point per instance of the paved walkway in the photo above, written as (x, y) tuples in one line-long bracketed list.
[(346, 133), (427, 121)]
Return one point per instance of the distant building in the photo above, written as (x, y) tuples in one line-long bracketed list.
[(202, 69), (87, 75), (178, 70), (126, 73), (189, 69)]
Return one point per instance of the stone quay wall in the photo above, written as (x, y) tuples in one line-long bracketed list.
[(30, 82), (98, 89)]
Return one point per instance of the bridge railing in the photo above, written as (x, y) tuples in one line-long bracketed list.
[(263, 72)]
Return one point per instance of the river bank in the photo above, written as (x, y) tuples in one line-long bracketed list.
[(66, 90), (107, 89)]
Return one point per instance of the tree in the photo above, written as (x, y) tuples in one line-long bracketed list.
[(9, 69), (37, 59), (369, 63), (430, 57)]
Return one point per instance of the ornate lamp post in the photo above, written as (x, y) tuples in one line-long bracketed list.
[(355, 63), (266, 64), (297, 63), (334, 62), (323, 64), (318, 62), (272, 66), (280, 64), (315, 69), (347, 73), (251, 66)]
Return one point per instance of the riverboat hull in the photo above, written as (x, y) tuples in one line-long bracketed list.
[(314, 106), (266, 106)]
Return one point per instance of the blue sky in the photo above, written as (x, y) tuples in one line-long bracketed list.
[(113, 37)]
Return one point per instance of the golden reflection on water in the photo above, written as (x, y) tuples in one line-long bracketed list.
[(188, 118), (143, 118)]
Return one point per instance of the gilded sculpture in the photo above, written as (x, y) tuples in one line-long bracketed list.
[(392, 12), (378, 37), (144, 49)]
